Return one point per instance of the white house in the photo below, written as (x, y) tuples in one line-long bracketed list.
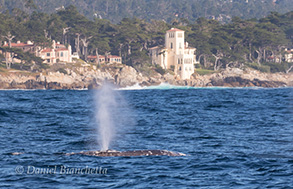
[(57, 53), (289, 55), (176, 54)]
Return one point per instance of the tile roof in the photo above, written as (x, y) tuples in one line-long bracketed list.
[(94, 56), (174, 30), (46, 50), (61, 49)]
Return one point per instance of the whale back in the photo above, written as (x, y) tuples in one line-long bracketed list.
[(113, 153)]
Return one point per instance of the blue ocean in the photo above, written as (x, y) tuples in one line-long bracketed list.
[(232, 138)]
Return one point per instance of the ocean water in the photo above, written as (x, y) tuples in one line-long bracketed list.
[(233, 138)]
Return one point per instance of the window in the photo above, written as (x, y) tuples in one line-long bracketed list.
[(48, 54), (180, 35), (180, 68), (178, 61), (61, 54), (48, 60), (180, 46), (171, 45)]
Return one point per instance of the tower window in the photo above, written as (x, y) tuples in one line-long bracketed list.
[(171, 45)]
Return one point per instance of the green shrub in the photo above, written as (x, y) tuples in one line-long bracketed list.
[(62, 70), (204, 71), (160, 70), (262, 68), (276, 67)]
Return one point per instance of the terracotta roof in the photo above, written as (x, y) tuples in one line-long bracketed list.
[(46, 50), (174, 30), (61, 49), (18, 45), (94, 56)]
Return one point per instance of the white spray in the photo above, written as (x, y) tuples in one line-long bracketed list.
[(106, 105), (112, 114)]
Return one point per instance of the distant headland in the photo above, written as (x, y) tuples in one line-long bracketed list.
[(66, 50)]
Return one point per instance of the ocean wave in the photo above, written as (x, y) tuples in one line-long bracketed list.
[(166, 86)]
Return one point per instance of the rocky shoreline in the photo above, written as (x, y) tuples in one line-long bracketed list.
[(89, 77)]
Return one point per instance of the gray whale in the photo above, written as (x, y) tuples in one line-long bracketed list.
[(113, 153)]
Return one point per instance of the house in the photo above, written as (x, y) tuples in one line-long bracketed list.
[(289, 55), (26, 47), (106, 59), (57, 53), (175, 54)]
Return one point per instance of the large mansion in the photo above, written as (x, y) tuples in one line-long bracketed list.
[(176, 54)]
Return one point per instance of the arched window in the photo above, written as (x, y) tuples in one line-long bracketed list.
[(180, 68), (171, 45)]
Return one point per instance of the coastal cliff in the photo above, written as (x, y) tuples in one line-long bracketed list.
[(91, 77)]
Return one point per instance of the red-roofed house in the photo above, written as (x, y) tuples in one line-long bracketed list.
[(58, 53), (26, 47)]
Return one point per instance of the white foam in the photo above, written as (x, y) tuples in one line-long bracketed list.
[(162, 86)]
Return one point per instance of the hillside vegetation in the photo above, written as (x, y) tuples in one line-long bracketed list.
[(168, 10), (239, 43)]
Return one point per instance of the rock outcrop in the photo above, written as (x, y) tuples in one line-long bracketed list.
[(90, 77)]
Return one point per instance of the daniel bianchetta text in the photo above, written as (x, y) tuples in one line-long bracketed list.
[(62, 169)]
